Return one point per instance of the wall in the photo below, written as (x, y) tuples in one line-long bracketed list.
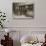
[(39, 13)]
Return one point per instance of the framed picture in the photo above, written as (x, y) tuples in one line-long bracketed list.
[(22, 10)]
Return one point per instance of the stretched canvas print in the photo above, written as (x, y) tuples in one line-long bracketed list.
[(23, 10)]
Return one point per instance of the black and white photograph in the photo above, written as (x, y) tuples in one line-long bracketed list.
[(23, 10)]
